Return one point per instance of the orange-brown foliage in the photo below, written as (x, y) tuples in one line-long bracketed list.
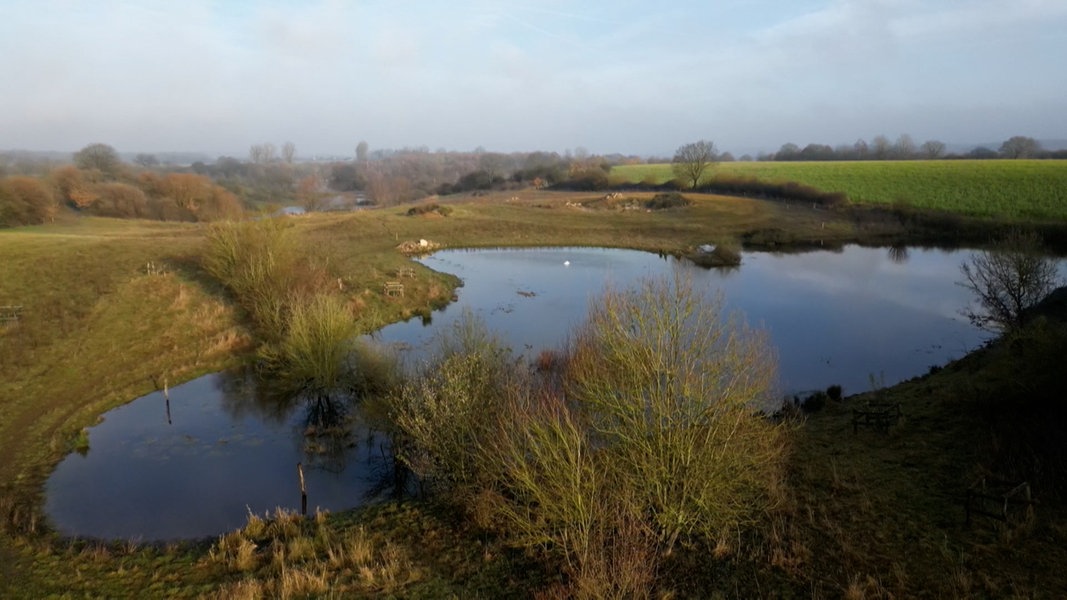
[(25, 201), (190, 196), (74, 186)]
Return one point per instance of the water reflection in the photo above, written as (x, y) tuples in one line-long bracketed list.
[(898, 254), (231, 448), (325, 425), (836, 316)]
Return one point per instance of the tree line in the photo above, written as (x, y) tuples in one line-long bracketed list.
[(97, 181), (905, 148)]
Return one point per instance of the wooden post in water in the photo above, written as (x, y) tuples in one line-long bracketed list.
[(166, 396), (303, 490)]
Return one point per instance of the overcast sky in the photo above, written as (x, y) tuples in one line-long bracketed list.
[(637, 77)]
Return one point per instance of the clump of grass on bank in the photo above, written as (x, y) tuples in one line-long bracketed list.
[(429, 208)]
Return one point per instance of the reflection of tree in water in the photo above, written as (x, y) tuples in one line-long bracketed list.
[(247, 393), (898, 254), (331, 432)]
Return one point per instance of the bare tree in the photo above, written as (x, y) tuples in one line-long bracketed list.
[(1008, 279), (361, 151), (692, 160), (288, 152), (904, 148), (1020, 147), (861, 149), (101, 157), (880, 147), (932, 149), (262, 154)]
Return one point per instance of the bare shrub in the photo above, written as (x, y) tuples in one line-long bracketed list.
[(258, 262), (651, 434), (25, 201), (120, 200), (313, 352), (73, 186), (450, 408), (671, 387)]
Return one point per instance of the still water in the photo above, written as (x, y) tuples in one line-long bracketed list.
[(225, 448), (835, 317)]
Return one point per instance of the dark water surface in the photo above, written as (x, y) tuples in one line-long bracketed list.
[(223, 454), (835, 317)]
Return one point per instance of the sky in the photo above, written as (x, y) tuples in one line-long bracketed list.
[(627, 76)]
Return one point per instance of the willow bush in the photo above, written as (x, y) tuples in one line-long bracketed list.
[(314, 352), (649, 432), (452, 406), (258, 262), (671, 387)]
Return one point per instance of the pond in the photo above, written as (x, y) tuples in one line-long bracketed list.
[(196, 461), (835, 317), (197, 464)]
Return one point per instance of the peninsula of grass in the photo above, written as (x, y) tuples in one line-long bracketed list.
[(1018, 190), (111, 308)]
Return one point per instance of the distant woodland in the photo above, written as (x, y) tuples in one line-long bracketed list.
[(96, 180)]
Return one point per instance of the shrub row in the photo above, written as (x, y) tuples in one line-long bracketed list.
[(780, 190)]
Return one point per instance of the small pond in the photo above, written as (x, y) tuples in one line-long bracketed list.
[(196, 461), (221, 447)]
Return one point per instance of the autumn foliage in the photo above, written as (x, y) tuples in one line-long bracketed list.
[(170, 197), (25, 201)]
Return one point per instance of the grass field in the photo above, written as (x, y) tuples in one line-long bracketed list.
[(98, 330), (1012, 189)]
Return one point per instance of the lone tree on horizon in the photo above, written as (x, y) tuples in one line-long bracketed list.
[(692, 160)]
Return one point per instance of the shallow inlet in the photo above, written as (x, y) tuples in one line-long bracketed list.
[(229, 448)]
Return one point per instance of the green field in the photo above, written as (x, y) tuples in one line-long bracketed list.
[(1013, 189)]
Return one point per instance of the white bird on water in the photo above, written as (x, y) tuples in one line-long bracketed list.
[(566, 263)]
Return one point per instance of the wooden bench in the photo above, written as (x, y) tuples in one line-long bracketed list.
[(394, 288), (997, 500), (10, 314), (403, 272), (879, 416)]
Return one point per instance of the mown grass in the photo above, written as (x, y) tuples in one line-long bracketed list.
[(1011, 189), (98, 330)]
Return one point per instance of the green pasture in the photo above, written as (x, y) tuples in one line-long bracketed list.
[(1013, 189)]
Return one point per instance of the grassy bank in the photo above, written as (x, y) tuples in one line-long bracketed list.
[(1003, 189), (100, 327)]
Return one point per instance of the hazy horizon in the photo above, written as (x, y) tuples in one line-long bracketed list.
[(628, 77)]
